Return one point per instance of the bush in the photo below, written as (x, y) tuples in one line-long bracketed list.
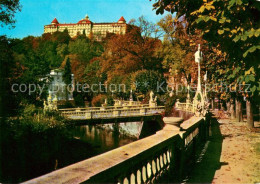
[(68, 104), (110, 101), (98, 100), (170, 104), (31, 140), (29, 110), (149, 80), (79, 100), (170, 101)]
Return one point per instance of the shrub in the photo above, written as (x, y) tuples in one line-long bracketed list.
[(98, 100), (29, 110), (146, 81)]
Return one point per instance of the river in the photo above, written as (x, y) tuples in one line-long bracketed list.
[(100, 139), (22, 162)]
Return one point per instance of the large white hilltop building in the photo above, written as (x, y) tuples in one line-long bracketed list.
[(88, 27)]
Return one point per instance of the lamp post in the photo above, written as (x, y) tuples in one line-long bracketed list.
[(196, 101), (198, 59)]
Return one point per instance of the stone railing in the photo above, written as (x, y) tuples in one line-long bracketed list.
[(188, 107), (196, 107), (143, 161), (104, 108), (110, 112), (131, 103)]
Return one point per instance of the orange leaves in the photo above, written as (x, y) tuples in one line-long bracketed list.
[(125, 54)]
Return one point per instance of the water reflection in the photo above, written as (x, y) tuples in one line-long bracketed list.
[(100, 139), (35, 156)]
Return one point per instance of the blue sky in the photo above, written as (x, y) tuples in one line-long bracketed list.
[(37, 13)]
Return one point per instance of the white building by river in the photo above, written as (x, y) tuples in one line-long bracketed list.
[(57, 86)]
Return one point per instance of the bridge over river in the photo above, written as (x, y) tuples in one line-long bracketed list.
[(101, 115)]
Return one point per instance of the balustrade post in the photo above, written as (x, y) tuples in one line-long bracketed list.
[(144, 175), (139, 176), (143, 111), (193, 106), (116, 112), (187, 103), (88, 115), (149, 171), (133, 179)]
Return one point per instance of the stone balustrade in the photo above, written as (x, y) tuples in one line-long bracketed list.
[(131, 103), (143, 161), (104, 108), (95, 113), (188, 107)]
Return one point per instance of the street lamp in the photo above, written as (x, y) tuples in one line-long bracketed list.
[(198, 102)]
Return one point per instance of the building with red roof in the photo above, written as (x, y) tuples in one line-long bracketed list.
[(98, 30)]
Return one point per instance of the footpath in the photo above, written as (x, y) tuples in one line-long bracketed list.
[(232, 155)]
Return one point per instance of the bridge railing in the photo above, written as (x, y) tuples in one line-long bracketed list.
[(143, 161), (112, 112), (131, 103), (104, 108), (189, 107)]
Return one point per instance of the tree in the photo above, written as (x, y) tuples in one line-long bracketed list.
[(146, 81), (173, 60), (67, 76), (85, 49), (178, 50), (92, 76), (7, 11), (7, 65), (61, 37), (62, 50), (148, 29), (128, 53), (236, 24), (173, 28)]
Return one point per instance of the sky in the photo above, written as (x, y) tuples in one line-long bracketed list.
[(37, 13)]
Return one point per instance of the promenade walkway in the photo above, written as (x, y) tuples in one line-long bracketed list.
[(232, 155)]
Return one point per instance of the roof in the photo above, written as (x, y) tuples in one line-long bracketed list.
[(55, 21), (122, 19), (84, 21)]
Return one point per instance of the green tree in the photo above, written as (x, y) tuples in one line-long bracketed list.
[(67, 76), (61, 37), (7, 11), (236, 24), (7, 64), (147, 80), (85, 49)]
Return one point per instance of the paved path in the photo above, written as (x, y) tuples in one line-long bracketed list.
[(232, 155)]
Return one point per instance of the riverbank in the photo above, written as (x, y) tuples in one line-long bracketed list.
[(232, 155), (32, 146)]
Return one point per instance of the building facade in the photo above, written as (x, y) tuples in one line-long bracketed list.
[(85, 26), (57, 87)]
